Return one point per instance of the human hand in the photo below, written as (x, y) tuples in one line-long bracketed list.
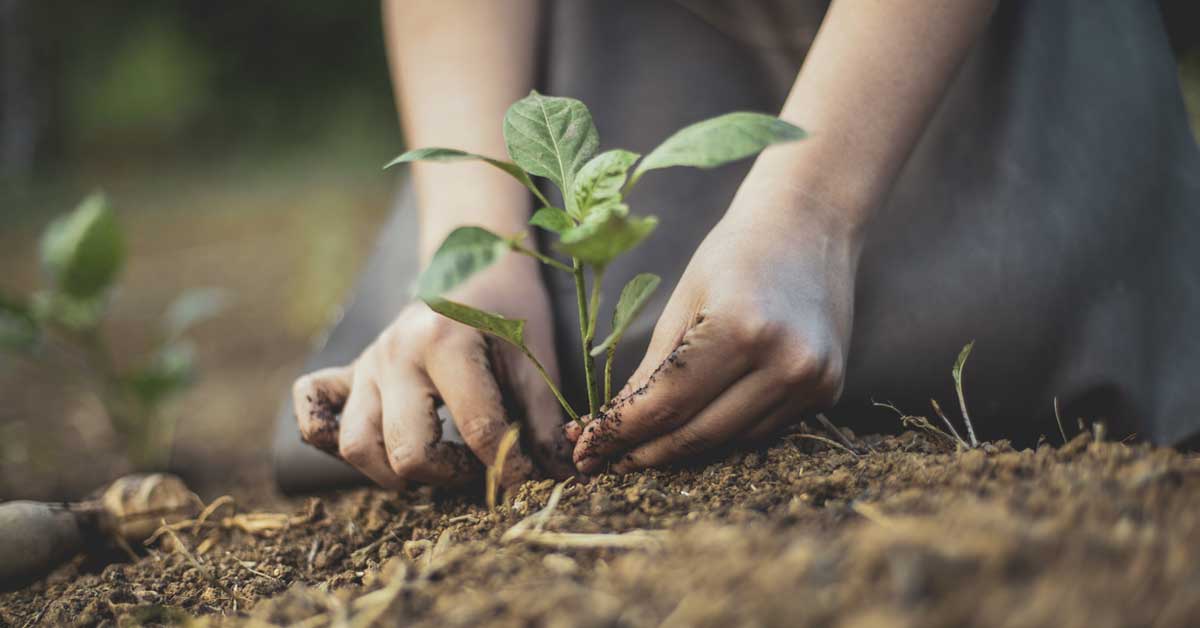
[(756, 332), (387, 399)]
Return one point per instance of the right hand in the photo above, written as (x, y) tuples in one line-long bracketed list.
[(387, 399)]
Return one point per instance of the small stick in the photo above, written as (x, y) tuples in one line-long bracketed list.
[(626, 540), (872, 514), (833, 429), (1058, 419), (938, 409), (830, 442)]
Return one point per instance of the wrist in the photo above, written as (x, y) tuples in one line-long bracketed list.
[(782, 199)]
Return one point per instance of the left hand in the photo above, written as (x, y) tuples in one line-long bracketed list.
[(756, 332)]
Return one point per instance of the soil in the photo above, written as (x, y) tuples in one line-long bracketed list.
[(909, 532)]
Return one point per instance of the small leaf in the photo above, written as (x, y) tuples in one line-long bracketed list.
[(508, 329), (956, 372), (453, 154), (18, 330), (551, 137), (552, 219), (84, 250), (192, 308), (720, 140), (169, 371), (634, 297), (599, 181), (606, 234), (75, 314), (466, 251)]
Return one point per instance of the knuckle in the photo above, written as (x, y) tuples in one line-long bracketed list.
[(801, 368), (753, 330), (686, 442)]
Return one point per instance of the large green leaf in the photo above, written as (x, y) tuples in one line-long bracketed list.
[(634, 297), (508, 329), (18, 330), (453, 154), (84, 250), (720, 140), (466, 251), (607, 233), (599, 181), (552, 219), (551, 137)]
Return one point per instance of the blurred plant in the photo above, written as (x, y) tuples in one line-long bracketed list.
[(83, 253)]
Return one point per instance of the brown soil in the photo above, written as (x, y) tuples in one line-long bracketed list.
[(907, 533)]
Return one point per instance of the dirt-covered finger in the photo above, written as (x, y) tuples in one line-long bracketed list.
[(461, 371), (412, 431), (735, 411), (693, 374), (360, 437), (317, 401)]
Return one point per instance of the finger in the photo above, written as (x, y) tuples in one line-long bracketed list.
[(682, 384), (461, 371), (739, 408), (769, 428), (360, 439), (317, 401), (412, 431)]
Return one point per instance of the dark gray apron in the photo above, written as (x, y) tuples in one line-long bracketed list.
[(1050, 212)]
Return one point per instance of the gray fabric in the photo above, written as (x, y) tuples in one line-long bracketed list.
[(1049, 211)]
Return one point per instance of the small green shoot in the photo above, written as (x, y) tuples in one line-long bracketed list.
[(956, 372), (83, 254), (555, 138)]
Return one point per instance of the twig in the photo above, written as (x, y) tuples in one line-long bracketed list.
[(1058, 419), (830, 442), (958, 386), (836, 431), (938, 409), (625, 540), (497, 468), (537, 520), (209, 510)]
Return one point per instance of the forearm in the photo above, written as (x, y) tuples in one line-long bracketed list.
[(872, 80), (456, 67)]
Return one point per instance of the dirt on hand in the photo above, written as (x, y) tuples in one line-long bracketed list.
[(898, 531)]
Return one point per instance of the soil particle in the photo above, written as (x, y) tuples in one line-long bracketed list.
[(910, 533)]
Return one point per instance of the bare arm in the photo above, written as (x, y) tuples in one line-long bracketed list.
[(873, 79), (456, 67)]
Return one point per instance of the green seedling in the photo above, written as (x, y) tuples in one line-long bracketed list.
[(83, 254), (555, 138)]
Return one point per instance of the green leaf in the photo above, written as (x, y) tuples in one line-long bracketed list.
[(192, 308), (84, 250), (453, 154), (75, 314), (551, 137), (634, 297), (466, 251), (18, 329), (552, 219), (169, 371), (720, 140), (508, 329), (956, 372), (599, 181), (606, 234)]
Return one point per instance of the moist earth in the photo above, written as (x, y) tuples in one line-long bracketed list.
[(906, 530)]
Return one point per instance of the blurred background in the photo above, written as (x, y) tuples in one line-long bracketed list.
[(240, 145)]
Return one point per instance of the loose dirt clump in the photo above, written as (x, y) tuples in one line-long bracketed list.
[(896, 531)]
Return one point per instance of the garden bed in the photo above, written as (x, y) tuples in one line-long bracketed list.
[(905, 531)]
